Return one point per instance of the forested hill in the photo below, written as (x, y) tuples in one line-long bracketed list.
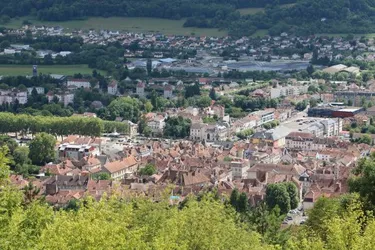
[(300, 16), (58, 10)]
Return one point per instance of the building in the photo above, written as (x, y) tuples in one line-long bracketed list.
[(302, 141), (356, 97), (209, 132), (239, 169), (75, 147), (122, 168), (168, 92), (330, 111), (59, 183), (133, 128), (273, 137), (319, 127), (157, 125), (39, 90), (78, 83), (65, 98), (267, 115), (112, 87), (21, 97), (140, 89), (288, 91)]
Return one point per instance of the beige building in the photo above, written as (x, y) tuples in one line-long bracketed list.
[(122, 168)]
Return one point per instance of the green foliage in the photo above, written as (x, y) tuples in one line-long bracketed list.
[(213, 94), (192, 90), (42, 149), (245, 133), (292, 190), (126, 107), (177, 127), (277, 195), (61, 126), (227, 158), (101, 176), (149, 169), (302, 105), (363, 181)]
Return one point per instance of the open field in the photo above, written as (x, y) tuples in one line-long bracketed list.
[(13, 70), (260, 33), (250, 11), (134, 24)]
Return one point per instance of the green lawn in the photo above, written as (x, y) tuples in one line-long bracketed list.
[(134, 24), (250, 11), (14, 70)]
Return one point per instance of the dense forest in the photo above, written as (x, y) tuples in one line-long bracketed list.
[(302, 17)]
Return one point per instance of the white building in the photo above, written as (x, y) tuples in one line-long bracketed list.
[(21, 97), (157, 125), (168, 92), (200, 131), (264, 116), (39, 90), (288, 91), (140, 90), (112, 88), (65, 98), (79, 83)]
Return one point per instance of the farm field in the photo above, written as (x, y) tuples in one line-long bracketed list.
[(14, 70), (134, 24)]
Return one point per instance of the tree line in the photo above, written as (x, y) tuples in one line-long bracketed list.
[(59, 126)]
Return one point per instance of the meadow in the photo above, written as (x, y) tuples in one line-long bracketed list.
[(14, 70), (133, 24)]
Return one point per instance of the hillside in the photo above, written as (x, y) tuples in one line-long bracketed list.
[(301, 16)]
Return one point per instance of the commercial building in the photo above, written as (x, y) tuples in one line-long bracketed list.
[(334, 111)]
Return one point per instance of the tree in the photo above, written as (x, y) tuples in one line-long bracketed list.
[(148, 106), (277, 195), (101, 176), (42, 149), (30, 193), (293, 194), (363, 181), (149, 169), (234, 198), (177, 127), (242, 203), (212, 94), (310, 69), (149, 66)]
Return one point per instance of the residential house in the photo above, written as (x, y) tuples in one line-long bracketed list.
[(112, 87), (168, 92), (140, 89)]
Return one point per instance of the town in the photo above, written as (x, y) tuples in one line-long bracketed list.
[(195, 118)]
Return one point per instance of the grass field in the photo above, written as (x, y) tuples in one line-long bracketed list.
[(14, 70), (250, 11), (134, 24), (260, 33)]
